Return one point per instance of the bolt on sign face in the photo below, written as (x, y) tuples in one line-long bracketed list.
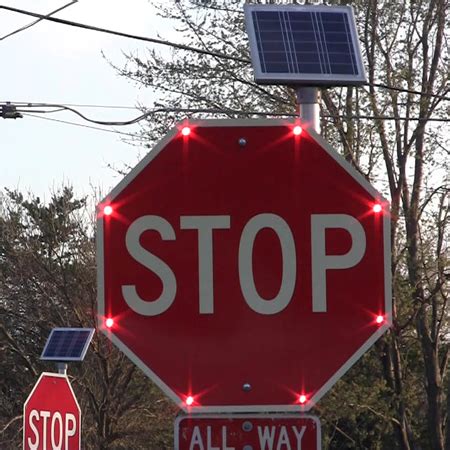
[(244, 266), (234, 431), (51, 415)]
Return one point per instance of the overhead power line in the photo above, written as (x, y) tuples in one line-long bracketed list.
[(78, 105), (188, 48), (78, 113), (57, 108), (228, 111), (126, 35), (408, 91), (83, 126), (37, 21)]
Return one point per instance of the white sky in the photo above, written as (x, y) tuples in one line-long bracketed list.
[(53, 63)]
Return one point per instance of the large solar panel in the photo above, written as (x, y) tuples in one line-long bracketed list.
[(67, 344), (304, 45)]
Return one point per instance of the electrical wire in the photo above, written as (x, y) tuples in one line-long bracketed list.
[(189, 48), (431, 119), (127, 35), (98, 122), (38, 20), (408, 91), (227, 111), (84, 126), (101, 106), (142, 116), (42, 111), (197, 110), (78, 105)]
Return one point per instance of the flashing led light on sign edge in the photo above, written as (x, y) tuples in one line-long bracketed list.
[(189, 400), (377, 208), (379, 319), (186, 131), (107, 210), (109, 322), (302, 399), (297, 130)]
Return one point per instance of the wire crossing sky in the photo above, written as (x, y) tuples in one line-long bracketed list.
[(51, 63), (174, 44), (56, 72)]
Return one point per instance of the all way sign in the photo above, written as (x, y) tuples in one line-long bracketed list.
[(247, 432)]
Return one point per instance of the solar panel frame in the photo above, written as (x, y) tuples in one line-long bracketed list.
[(55, 347), (298, 77)]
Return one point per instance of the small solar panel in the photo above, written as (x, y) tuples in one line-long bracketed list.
[(67, 344), (304, 45)]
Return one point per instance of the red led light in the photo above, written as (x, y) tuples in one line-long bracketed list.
[(379, 319), (377, 208), (107, 210), (302, 399), (189, 400), (297, 130), (109, 322), (185, 131)]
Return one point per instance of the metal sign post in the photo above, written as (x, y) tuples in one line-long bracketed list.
[(308, 99)]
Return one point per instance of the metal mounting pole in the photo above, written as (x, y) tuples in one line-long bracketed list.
[(62, 368), (308, 101)]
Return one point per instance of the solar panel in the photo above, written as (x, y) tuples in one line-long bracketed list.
[(67, 344), (304, 45)]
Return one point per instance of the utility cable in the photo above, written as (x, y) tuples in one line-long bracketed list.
[(425, 119), (78, 105), (127, 35), (63, 106), (67, 108), (83, 105), (37, 21), (188, 48), (408, 91), (226, 111), (142, 116), (84, 126), (40, 111)]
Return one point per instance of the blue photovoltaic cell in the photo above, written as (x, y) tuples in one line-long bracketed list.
[(66, 344), (305, 42)]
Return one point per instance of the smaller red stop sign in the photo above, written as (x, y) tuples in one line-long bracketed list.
[(51, 415)]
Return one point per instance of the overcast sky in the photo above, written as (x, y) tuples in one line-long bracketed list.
[(54, 63)]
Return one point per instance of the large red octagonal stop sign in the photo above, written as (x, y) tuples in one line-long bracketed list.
[(245, 267)]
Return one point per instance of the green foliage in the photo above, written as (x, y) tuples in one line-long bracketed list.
[(365, 404), (47, 279)]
